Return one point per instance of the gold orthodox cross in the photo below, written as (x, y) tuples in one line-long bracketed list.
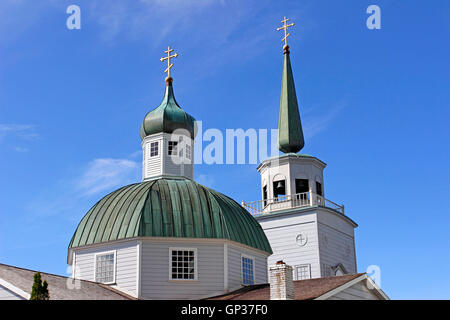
[(284, 27), (169, 56)]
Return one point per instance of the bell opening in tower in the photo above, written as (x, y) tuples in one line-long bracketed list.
[(265, 195), (319, 188), (279, 188)]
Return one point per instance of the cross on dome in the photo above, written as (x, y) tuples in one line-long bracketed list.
[(285, 27), (169, 65)]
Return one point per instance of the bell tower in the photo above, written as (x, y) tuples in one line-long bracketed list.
[(305, 229)]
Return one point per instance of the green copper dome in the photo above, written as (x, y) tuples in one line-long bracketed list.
[(290, 132), (168, 207), (168, 117)]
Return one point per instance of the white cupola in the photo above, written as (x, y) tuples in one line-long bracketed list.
[(167, 134)]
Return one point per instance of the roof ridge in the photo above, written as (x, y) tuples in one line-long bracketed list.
[(117, 291), (25, 269)]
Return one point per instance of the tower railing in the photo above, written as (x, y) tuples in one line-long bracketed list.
[(284, 202)]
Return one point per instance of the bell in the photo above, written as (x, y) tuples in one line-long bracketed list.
[(280, 185)]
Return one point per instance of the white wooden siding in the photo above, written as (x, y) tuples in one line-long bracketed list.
[(234, 265), (126, 264), (336, 241), (171, 167), (155, 271), (358, 291), (6, 294), (282, 231), (152, 166)]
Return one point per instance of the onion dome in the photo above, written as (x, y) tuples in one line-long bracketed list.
[(168, 207), (168, 117)]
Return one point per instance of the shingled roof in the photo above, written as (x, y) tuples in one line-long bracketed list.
[(57, 285), (304, 289)]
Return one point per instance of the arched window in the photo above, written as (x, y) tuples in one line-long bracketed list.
[(279, 185), (319, 188), (264, 191), (301, 186)]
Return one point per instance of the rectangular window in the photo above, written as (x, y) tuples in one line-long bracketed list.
[(105, 265), (301, 185), (173, 148), (248, 271), (154, 149), (188, 152), (265, 195), (183, 264), (303, 272), (319, 188)]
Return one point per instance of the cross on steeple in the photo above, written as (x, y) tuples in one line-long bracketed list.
[(285, 27), (169, 56)]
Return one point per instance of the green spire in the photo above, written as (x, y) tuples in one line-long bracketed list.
[(290, 133)]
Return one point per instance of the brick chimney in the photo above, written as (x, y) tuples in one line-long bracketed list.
[(281, 283)]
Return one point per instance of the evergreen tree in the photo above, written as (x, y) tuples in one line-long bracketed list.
[(39, 291)]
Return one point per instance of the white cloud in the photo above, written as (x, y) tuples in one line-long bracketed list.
[(103, 174), (24, 131), (314, 124), (206, 180), (72, 196), (20, 149)]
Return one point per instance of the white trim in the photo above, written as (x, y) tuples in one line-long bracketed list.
[(378, 290), (166, 239), (299, 266), (114, 252), (195, 264), (225, 266), (318, 261), (331, 293), (282, 160), (305, 211), (138, 269), (74, 259), (14, 289), (254, 268)]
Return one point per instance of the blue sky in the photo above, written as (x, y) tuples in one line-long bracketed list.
[(374, 106)]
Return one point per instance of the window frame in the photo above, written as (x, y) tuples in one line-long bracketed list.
[(308, 265), (114, 252), (157, 149), (170, 151), (195, 263), (188, 152), (242, 269)]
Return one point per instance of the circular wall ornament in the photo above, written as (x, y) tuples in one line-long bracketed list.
[(301, 239)]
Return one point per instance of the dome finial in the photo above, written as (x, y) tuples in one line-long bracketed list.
[(286, 34), (169, 65)]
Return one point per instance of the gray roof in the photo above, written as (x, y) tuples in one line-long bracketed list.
[(57, 285)]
